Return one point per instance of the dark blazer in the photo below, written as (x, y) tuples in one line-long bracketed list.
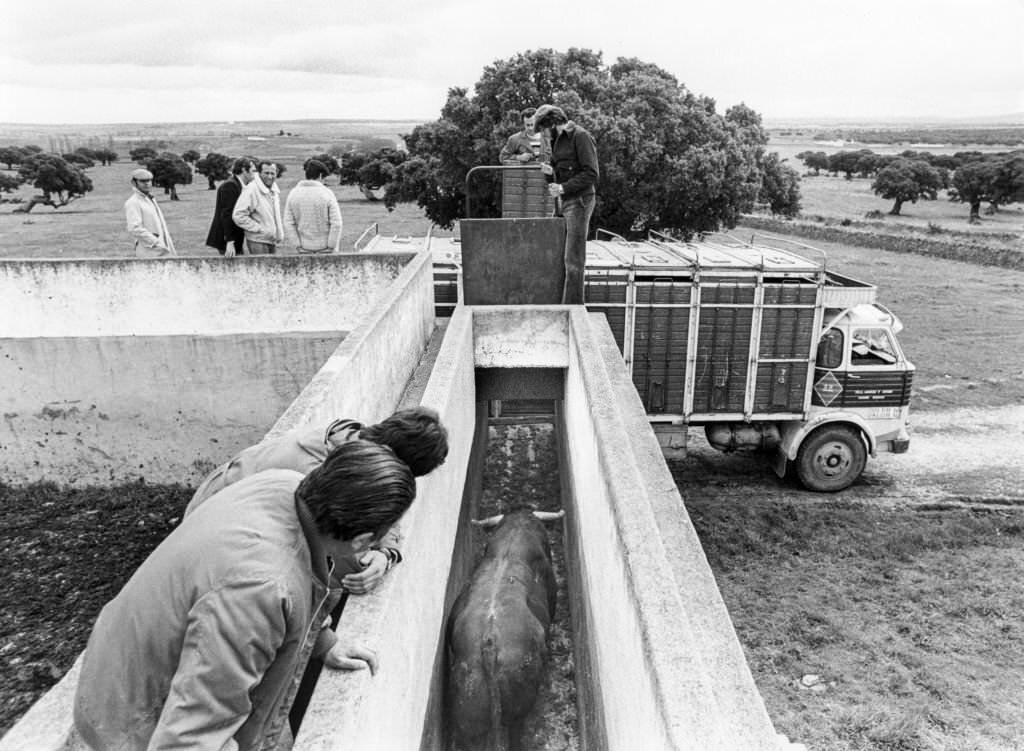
[(223, 230)]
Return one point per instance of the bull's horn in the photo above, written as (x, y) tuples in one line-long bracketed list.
[(490, 521), (549, 516)]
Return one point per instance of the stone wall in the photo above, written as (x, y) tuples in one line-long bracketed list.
[(954, 250)]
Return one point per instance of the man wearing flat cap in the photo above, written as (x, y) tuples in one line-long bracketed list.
[(146, 223), (572, 178)]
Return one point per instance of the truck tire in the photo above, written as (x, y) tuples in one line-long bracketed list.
[(831, 459)]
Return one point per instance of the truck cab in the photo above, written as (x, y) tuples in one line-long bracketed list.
[(860, 399)]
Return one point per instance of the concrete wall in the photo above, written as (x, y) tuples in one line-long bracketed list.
[(118, 369), (208, 296), (669, 671), (403, 618), (397, 328)]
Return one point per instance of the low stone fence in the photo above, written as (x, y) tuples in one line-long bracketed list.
[(960, 250)]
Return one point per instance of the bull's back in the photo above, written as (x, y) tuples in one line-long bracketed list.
[(498, 633)]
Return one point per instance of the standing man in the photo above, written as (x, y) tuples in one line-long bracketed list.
[(226, 236), (258, 212), (146, 223), (312, 219), (204, 646), (572, 176), (525, 146)]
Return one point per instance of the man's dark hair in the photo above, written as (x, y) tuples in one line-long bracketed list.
[(263, 163), (416, 436), (316, 169), (527, 112), (361, 487), (241, 164), (548, 116)]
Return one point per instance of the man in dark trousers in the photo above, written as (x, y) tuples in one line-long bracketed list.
[(572, 176), (226, 236)]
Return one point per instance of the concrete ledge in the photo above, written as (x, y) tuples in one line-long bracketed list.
[(147, 297), (403, 618)]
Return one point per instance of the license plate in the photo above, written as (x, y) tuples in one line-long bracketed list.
[(882, 413)]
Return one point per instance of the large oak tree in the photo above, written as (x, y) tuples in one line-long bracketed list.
[(668, 159)]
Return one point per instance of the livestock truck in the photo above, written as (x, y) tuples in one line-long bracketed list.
[(755, 340)]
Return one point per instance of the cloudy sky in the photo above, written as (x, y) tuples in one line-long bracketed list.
[(96, 61)]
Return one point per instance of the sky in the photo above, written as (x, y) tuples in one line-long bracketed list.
[(104, 61)]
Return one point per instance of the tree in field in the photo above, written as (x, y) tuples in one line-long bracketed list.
[(60, 183), (780, 186), (78, 159), (9, 183), (370, 172), (668, 160), (845, 162), (974, 182), (907, 180), (1008, 183), (142, 154), (169, 171), (11, 155), (105, 156), (191, 157), (327, 160), (815, 160), (214, 167)]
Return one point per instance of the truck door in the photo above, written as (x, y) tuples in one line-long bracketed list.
[(861, 367)]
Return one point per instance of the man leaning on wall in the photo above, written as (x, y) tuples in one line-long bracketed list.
[(145, 220), (204, 646)]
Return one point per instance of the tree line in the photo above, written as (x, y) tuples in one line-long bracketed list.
[(971, 177), (669, 159)]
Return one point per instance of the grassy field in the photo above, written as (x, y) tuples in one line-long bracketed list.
[(836, 198), (94, 226), (910, 619)]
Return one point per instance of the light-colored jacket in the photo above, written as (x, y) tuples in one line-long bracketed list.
[(147, 226), (205, 646), (258, 212), (301, 450), (312, 218)]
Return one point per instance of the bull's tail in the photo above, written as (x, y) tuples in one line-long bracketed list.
[(497, 736)]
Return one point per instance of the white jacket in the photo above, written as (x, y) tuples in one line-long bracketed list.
[(147, 226), (258, 212)]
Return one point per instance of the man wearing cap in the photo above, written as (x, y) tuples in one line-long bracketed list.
[(145, 220), (258, 211), (312, 218), (572, 179)]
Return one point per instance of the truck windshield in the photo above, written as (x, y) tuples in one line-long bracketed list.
[(872, 347)]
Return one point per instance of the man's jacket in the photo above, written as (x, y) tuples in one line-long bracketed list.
[(223, 229), (574, 157), (205, 645), (147, 227), (258, 212)]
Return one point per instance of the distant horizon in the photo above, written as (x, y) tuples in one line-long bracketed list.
[(1009, 119)]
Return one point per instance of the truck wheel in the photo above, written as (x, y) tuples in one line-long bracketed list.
[(830, 459)]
